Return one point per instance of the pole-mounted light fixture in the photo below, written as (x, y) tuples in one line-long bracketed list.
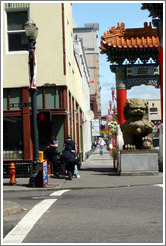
[(31, 32), (30, 29)]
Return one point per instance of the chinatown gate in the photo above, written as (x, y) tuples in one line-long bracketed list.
[(134, 58)]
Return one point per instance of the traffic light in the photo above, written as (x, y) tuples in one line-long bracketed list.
[(44, 116)]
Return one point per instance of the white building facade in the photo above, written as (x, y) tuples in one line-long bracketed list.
[(82, 63)]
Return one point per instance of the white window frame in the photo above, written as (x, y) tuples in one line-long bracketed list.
[(21, 52)]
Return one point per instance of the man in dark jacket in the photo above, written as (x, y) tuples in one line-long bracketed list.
[(68, 156), (51, 153)]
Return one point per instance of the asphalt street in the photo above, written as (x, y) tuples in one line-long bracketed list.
[(96, 172), (132, 214), (133, 203)]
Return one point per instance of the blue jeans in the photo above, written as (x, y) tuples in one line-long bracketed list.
[(75, 170), (101, 149)]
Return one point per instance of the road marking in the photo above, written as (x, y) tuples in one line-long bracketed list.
[(160, 185), (58, 193), (20, 231)]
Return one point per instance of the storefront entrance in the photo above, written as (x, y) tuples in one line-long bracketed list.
[(12, 138)]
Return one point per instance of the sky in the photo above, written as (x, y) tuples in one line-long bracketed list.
[(108, 14)]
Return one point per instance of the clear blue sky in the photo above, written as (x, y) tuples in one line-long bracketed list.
[(108, 14)]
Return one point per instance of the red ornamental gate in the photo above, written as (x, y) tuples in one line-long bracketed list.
[(134, 57)]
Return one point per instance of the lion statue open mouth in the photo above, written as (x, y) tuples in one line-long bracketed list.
[(137, 130)]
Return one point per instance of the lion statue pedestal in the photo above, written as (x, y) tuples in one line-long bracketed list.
[(137, 156)]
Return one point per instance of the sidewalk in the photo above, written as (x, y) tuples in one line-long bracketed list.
[(96, 172)]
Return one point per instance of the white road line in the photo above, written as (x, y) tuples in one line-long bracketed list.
[(19, 232), (58, 192), (161, 185)]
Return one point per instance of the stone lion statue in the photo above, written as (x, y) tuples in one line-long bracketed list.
[(137, 130)]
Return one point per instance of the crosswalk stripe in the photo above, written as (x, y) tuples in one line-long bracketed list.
[(20, 231), (58, 192)]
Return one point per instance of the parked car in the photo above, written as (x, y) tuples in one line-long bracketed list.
[(156, 143)]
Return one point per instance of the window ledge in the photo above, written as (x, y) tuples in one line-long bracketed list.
[(23, 52)]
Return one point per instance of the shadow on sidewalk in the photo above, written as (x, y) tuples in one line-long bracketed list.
[(108, 171), (8, 184)]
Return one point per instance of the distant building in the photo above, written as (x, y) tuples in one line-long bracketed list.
[(88, 33), (79, 52), (154, 110)]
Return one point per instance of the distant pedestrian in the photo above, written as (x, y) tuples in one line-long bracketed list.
[(97, 144), (102, 144)]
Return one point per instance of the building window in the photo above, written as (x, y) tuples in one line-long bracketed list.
[(11, 96), (12, 138), (15, 97), (153, 110), (17, 40), (92, 49), (40, 97), (5, 99), (92, 106), (52, 98)]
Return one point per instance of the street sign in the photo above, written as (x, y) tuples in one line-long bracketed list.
[(20, 105), (104, 132), (44, 116), (95, 127), (45, 173)]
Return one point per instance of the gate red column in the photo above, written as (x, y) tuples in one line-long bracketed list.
[(161, 80), (121, 93)]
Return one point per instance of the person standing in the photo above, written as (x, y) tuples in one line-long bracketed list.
[(51, 153), (68, 156), (102, 144)]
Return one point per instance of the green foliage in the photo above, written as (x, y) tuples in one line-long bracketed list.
[(154, 134), (93, 149), (114, 153), (115, 117), (108, 148)]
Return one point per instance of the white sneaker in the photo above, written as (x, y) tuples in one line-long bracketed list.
[(78, 176)]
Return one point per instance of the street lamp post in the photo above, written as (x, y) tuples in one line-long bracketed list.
[(31, 32)]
